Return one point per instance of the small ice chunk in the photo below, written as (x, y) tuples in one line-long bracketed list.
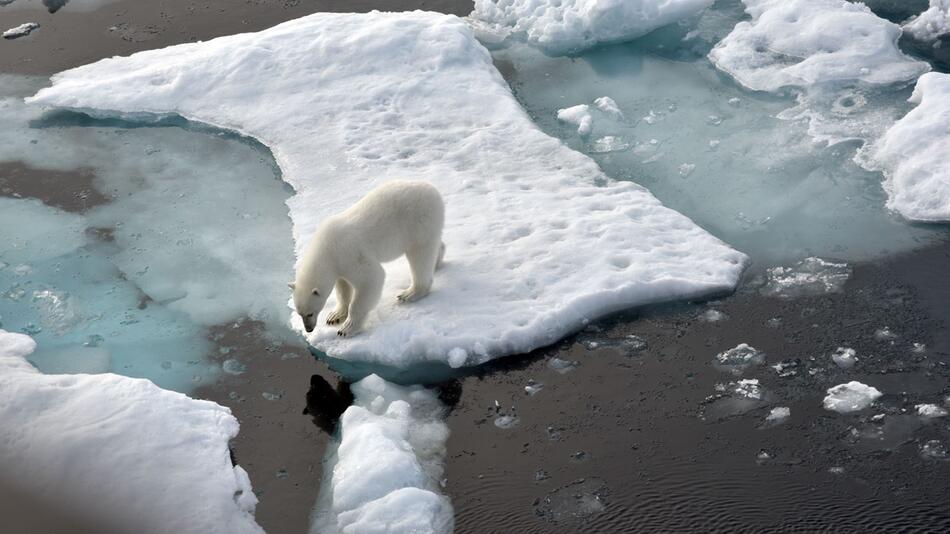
[(810, 276), (851, 397), (930, 410), (533, 388), (836, 470), (884, 334), (778, 415), (561, 365), (735, 101), (686, 169), (919, 348), (713, 316), (579, 116), (608, 106), (787, 368), (233, 367), (271, 396), (844, 357), (506, 421), (934, 450), (609, 143), (932, 23), (737, 359), (20, 31), (748, 389), (457, 357), (714, 143)]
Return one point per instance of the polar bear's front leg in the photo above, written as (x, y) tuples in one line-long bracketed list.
[(344, 294), (367, 288)]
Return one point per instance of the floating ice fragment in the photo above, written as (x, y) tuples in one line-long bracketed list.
[(540, 475), (57, 313), (919, 348), (778, 415), (20, 31), (579, 116), (713, 316), (736, 360), (561, 365), (930, 410), (932, 23), (810, 276), (836, 470), (884, 334), (272, 396), (457, 357), (748, 388), (735, 101), (787, 368), (934, 450), (533, 388), (234, 367), (844, 357), (686, 169), (851, 397), (506, 421), (609, 143), (608, 106), (281, 474)]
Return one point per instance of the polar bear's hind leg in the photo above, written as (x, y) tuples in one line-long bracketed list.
[(344, 294), (422, 263)]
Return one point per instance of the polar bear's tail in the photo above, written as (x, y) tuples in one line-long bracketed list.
[(438, 262)]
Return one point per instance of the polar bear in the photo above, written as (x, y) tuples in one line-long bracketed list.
[(348, 250)]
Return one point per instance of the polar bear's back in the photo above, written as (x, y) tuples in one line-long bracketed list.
[(397, 216)]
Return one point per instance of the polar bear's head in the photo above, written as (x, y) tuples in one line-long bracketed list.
[(309, 302)]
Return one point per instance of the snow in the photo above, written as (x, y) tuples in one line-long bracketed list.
[(803, 43), (142, 458), (851, 397), (568, 26), (539, 239), (578, 116), (844, 357), (388, 465), (932, 23), (20, 31), (913, 152)]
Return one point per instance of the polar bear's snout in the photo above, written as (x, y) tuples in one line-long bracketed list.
[(309, 322)]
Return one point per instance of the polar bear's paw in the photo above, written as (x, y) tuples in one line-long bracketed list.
[(411, 295), (349, 329), (336, 317)]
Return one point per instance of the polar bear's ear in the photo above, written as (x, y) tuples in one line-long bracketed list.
[(315, 292), (292, 285)]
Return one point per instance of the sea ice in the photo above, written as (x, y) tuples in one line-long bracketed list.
[(851, 397), (738, 359), (844, 357), (913, 154), (568, 26), (802, 43), (932, 23), (579, 116), (811, 276), (20, 31), (930, 410), (140, 458), (539, 239), (385, 474)]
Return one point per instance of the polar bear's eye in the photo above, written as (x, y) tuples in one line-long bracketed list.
[(309, 315)]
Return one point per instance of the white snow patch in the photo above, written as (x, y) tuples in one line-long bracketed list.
[(844, 357), (913, 154), (388, 464), (851, 397), (141, 458), (20, 31), (578, 116), (930, 410), (802, 43), (538, 238), (932, 23), (564, 26)]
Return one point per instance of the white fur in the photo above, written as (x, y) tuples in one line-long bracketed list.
[(348, 249)]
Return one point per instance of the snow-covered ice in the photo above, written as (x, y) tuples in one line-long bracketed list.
[(20, 31), (384, 476), (579, 116), (567, 26), (811, 276), (539, 239), (844, 357), (851, 397), (801, 43), (138, 457), (932, 23), (913, 154)]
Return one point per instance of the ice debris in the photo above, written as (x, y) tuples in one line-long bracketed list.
[(844, 357), (930, 410), (20, 31), (811, 276), (738, 359), (932, 23), (851, 397)]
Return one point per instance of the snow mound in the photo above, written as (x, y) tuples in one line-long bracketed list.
[(539, 239), (851, 397), (388, 464), (121, 449), (566, 26), (932, 23), (809, 42), (913, 154)]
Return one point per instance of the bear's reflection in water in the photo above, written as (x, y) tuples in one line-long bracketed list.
[(325, 404)]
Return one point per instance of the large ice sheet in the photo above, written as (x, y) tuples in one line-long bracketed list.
[(387, 469), (914, 154), (563, 26), (539, 239), (932, 23), (802, 43), (122, 450)]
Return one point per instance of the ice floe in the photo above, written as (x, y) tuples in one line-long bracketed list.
[(579, 116), (140, 458), (913, 154), (932, 23), (20, 31), (844, 357), (778, 415), (565, 26), (539, 239), (386, 473), (801, 43), (811, 276), (738, 359), (851, 397), (930, 410)]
